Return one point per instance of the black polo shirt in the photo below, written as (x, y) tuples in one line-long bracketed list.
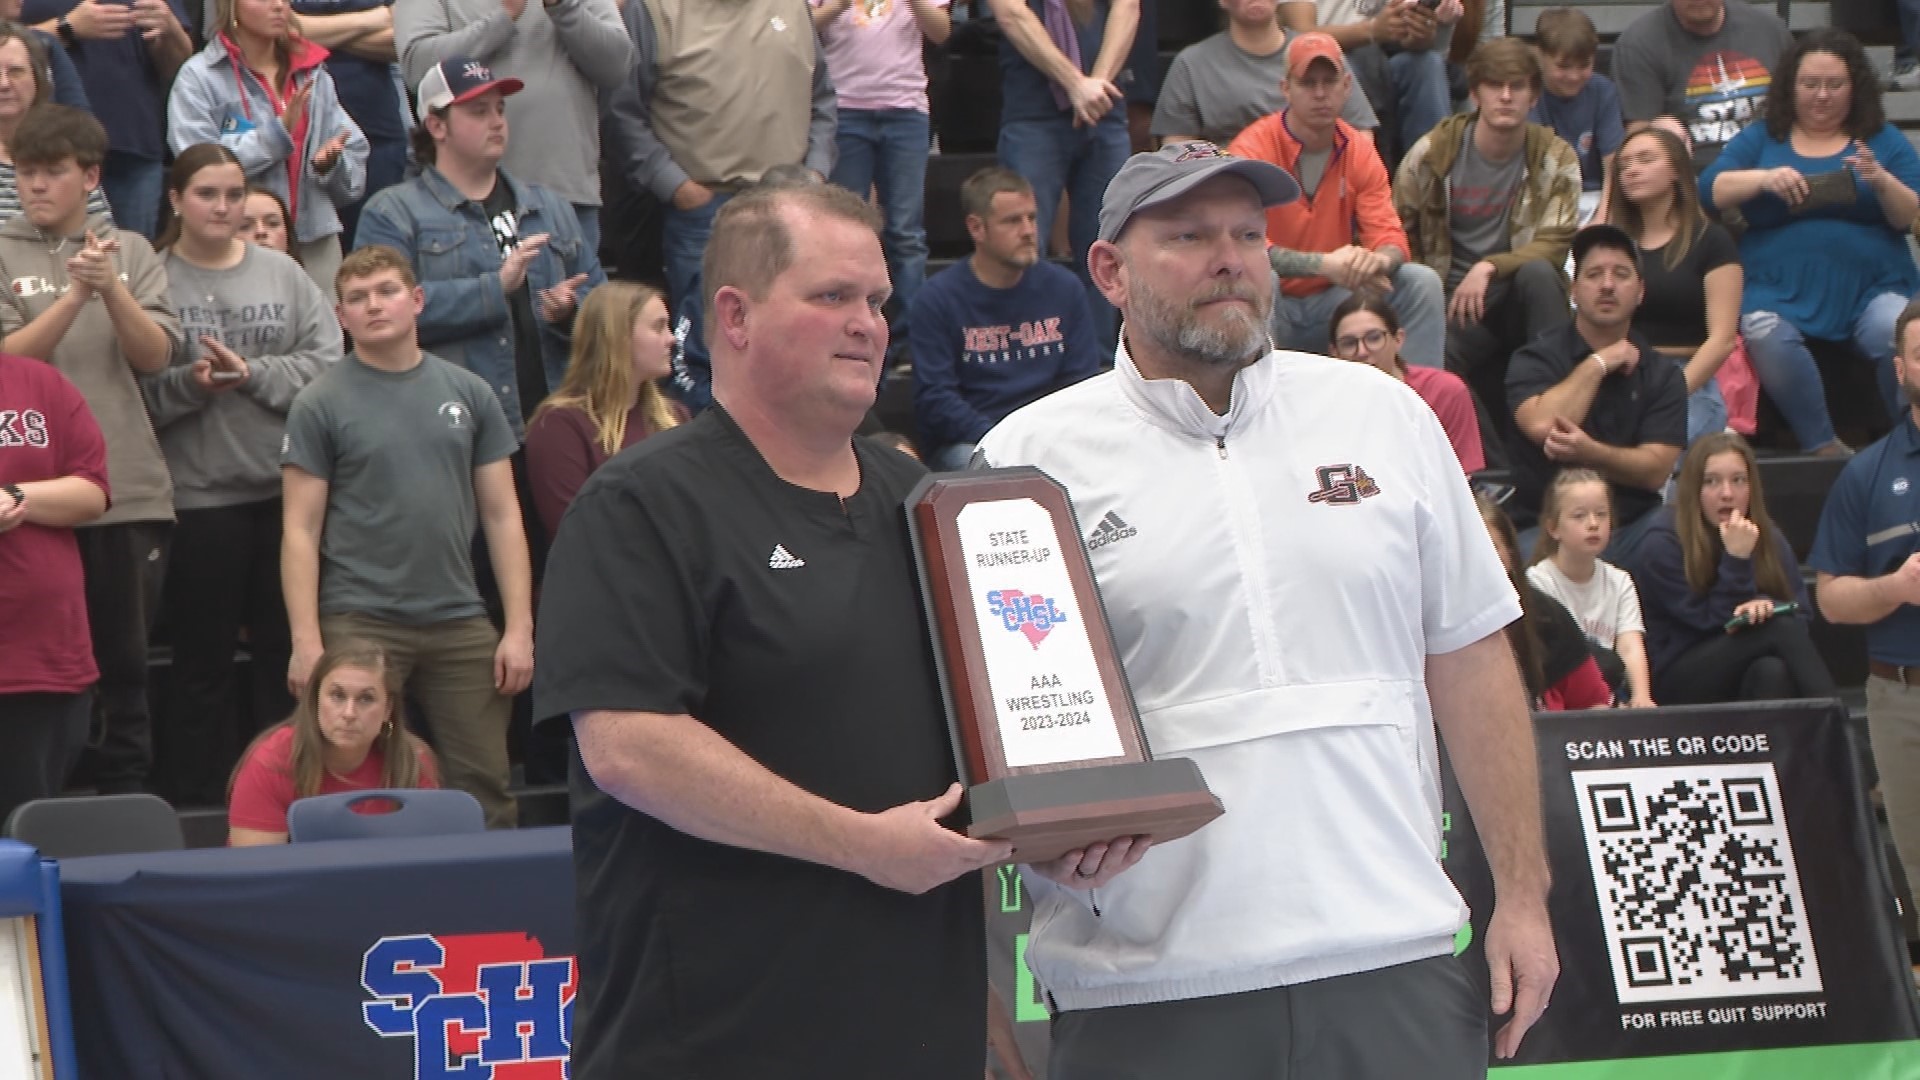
[(688, 578), (1646, 405)]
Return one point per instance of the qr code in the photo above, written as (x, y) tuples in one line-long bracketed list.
[(1694, 870)]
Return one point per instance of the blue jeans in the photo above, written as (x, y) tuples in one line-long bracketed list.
[(1301, 322), (1420, 83), (133, 186), (1790, 377), (1055, 156), (887, 148), (683, 242)]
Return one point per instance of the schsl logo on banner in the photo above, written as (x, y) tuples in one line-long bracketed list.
[(477, 1006)]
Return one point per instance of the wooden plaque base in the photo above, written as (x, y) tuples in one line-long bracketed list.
[(1046, 815)]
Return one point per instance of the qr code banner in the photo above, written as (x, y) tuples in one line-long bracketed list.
[(1694, 871)]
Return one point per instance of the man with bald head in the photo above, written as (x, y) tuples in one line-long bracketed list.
[(731, 622), (1303, 592)]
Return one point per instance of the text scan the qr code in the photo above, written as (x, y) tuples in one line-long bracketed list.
[(1695, 875)]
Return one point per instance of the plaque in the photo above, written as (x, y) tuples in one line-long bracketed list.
[(1044, 727)]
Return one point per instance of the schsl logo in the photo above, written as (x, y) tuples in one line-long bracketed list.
[(477, 1006), (1034, 616)]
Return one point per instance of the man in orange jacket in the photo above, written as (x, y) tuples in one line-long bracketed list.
[(1343, 235)]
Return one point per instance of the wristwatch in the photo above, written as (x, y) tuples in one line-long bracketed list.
[(65, 29), (13, 492)]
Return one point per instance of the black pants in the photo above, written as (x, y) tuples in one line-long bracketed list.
[(1519, 309), (125, 565), (40, 736), (1774, 660), (223, 577)]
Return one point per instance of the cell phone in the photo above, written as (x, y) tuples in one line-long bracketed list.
[(1741, 622), (1430, 5), (226, 376)]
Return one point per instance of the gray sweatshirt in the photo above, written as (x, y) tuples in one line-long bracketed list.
[(223, 447), (33, 274), (567, 55)]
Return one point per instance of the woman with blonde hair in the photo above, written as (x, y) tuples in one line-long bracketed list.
[(610, 397), (347, 733), (260, 89)]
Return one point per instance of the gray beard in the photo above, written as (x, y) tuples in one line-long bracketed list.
[(1182, 331)]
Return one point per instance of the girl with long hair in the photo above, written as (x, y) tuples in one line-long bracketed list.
[(1715, 576), (1365, 329), (1576, 522), (264, 221), (610, 397), (348, 733), (1555, 663), (258, 331), (259, 88), (1690, 308)]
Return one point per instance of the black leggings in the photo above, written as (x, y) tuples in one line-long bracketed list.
[(1774, 660)]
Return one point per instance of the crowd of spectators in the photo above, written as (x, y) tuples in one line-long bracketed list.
[(1565, 267)]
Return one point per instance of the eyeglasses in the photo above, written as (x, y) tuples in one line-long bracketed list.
[(1831, 86), (1372, 339)]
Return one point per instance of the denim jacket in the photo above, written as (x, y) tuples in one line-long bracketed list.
[(449, 241)]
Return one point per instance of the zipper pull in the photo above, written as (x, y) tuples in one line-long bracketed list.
[(1220, 443)]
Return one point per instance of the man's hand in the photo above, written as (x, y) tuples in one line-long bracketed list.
[(1091, 99), (300, 665), (1394, 24), (93, 20), (13, 516), (1524, 966), (325, 158), (1740, 536), (513, 662), (1423, 26), (154, 18), (906, 848), (691, 195), (1905, 580), (1622, 357), (93, 266), (1567, 442), (513, 268), (557, 303), (1469, 303), (1355, 268), (1091, 867)]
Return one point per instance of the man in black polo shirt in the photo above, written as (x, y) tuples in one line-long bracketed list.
[(1595, 395), (731, 620)]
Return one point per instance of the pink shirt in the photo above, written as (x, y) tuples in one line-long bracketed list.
[(873, 55), (1447, 395)]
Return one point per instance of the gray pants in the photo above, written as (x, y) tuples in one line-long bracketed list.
[(1300, 322), (1893, 723), (1422, 1019)]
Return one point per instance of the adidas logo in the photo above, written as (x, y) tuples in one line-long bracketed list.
[(1110, 529), (782, 559)]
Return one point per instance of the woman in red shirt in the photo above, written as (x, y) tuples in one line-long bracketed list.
[(346, 734), (610, 398)]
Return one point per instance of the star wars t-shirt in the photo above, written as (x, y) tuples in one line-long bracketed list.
[(1715, 84)]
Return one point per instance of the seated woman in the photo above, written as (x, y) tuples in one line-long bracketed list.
[(263, 221), (346, 734), (1555, 661), (609, 399), (1690, 308), (1827, 187), (1365, 329), (1713, 556)]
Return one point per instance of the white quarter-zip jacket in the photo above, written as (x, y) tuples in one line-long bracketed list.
[(1275, 578)]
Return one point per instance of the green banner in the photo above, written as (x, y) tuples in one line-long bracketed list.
[(1869, 1061)]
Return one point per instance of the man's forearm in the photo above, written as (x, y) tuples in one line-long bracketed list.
[(1857, 601), (512, 567), (681, 772), (41, 336), (1480, 709), (1645, 467), (1030, 40), (300, 585), (142, 341), (1570, 399), (1123, 18), (1289, 263), (64, 502)]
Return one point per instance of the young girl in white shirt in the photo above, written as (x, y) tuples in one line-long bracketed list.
[(1576, 521)]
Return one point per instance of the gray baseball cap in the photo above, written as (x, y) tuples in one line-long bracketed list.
[(1177, 168)]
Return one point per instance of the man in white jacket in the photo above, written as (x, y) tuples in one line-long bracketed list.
[(1303, 592)]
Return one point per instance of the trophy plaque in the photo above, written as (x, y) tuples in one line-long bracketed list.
[(1044, 727)]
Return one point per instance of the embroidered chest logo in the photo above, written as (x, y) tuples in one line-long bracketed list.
[(1110, 530), (1029, 614), (1343, 485), (782, 559), (454, 413)]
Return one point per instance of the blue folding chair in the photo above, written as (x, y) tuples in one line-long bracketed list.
[(384, 812)]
